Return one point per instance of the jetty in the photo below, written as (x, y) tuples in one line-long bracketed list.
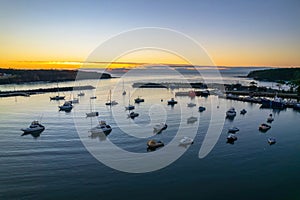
[(27, 93)]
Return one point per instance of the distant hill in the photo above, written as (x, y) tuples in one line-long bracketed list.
[(8, 76), (278, 74)]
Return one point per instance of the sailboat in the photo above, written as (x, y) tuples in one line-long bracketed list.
[(92, 113), (129, 107), (110, 102), (124, 92), (57, 97)]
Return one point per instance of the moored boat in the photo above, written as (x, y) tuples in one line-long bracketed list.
[(158, 128), (264, 127)]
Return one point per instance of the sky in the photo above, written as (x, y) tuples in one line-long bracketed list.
[(232, 32)]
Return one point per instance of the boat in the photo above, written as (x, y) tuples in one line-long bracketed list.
[(186, 141), (129, 107), (276, 103), (93, 97), (231, 138), (74, 100), (67, 106), (133, 115), (172, 102), (34, 128), (271, 140), (231, 113), (153, 144), (204, 93), (233, 130), (270, 119), (102, 127), (81, 94), (202, 108), (139, 100), (296, 106), (57, 97), (264, 127), (243, 112), (191, 120), (191, 104), (158, 128), (110, 102), (124, 91), (92, 113)]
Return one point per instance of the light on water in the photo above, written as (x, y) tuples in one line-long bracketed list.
[(57, 164)]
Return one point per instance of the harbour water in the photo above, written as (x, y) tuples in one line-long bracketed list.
[(57, 165)]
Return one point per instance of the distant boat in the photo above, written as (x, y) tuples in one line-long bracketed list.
[(34, 128), (93, 97), (110, 102), (129, 107), (191, 120), (172, 102), (74, 100), (158, 128), (202, 108), (271, 140), (124, 91), (186, 141), (264, 127), (139, 100), (191, 104), (231, 138), (153, 144), (67, 106), (57, 97), (233, 130), (80, 94), (102, 127), (92, 113), (243, 112), (231, 113), (133, 115), (270, 119)]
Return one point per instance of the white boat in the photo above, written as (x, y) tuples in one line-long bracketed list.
[(191, 104), (186, 141), (271, 140), (133, 115), (102, 127), (92, 113), (124, 91), (80, 94), (57, 97), (158, 128), (191, 120), (233, 130), (93, 97), (231, 113), (264, 127), (67, 106), (172, 101), (34, 127), (110, 102), (270, 119), (243, 112)]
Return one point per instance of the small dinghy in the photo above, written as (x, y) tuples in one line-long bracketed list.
[(231, 138), (202, 108), (94, 97), (172, 102), (74, 100), (191, 104), (153, 144), (233, 130), (243, 112), (133, 115), (271, 140), (139, 100), (186, 141), (264, 127), (192, 120), (92, 114), (270, 119), (158, 128)]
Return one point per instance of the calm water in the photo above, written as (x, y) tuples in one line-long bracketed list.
[(58, 166)]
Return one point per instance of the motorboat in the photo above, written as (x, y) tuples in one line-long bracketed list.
[(231, 113), (124, 91), (110, 102), (264, 127), (202, 108), (271, 140), (231, 138), (172, 101), (57, 98), (192, 120), (233, 130), (270, 119), (133, 115), (129, 107), (92, 114), (153, 144), (81, 94), (186, 141), (243, 112), (191, 104), (34, 128), (139, 100), (102, 127), (158, 128), (67, 106)]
